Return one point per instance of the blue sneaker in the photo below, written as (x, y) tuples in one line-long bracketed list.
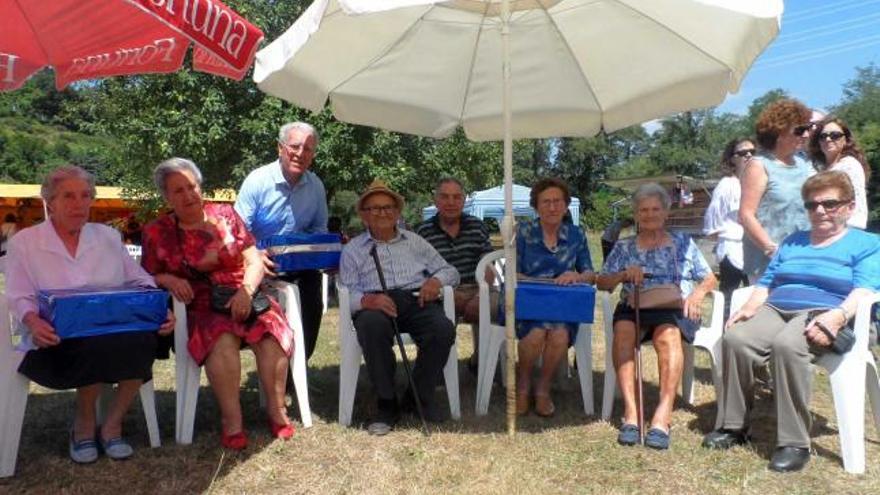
[(83, 451), (657, 439), (116, 448), (629, 435)]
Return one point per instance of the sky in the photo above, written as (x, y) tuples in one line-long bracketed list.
[(819, 46)]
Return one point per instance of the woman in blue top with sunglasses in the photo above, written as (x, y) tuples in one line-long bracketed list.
[(799, 309), (769, 207)]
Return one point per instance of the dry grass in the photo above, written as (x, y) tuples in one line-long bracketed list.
[(569, 453)]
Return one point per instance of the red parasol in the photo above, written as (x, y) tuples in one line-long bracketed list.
[(87, 39)]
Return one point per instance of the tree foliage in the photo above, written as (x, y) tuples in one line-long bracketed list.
[(120, 128)]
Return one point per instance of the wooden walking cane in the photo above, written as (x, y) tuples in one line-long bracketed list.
[(638, 359)]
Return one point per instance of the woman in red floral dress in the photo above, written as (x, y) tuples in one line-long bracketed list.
[(197, 242)]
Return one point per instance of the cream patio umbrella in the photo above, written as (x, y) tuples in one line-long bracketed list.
[(505, 69)]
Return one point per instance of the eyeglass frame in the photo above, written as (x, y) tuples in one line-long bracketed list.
[(375, 210), (823, 136), (829, 205), (290, 148), (742, 153)]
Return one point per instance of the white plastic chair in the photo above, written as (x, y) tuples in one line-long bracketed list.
[(351, 353), (14, 395), (493, 337), (848, 383), (325, 289), (707, 338), (134, 251), (188, 373)]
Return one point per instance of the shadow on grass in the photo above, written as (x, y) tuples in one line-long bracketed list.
[(324, 394), (43, 462), (763, 425)]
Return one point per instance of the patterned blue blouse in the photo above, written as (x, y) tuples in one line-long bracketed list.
[(679, 263), (535, 259)]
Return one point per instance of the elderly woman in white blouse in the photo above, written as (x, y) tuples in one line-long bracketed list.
[(66, 251)]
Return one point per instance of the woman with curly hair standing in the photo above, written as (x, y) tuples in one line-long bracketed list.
[(770, 205)]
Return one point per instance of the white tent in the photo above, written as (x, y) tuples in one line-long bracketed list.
[(490, 204)]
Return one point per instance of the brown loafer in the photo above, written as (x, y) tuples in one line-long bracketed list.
[(522, 404), (544, 406)]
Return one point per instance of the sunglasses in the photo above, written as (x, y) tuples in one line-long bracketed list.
[(744, 153), (833, 135), (801, 129), (828, 205)]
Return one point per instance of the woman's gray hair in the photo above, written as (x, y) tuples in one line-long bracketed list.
[(301, 126), (63, 173), (651, 190), (174, 166)]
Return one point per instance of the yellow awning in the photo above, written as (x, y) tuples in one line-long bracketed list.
[(103, 192)]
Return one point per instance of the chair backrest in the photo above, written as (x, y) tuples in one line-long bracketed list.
[(492, 261), (134, 251), (739, 297)]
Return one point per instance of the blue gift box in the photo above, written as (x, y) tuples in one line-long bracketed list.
[(89, 311), (546, 301), (295, 252)]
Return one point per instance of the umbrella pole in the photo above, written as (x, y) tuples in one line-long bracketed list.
[(507, 225)]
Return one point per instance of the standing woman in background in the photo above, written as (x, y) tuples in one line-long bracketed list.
[(832, 147), (722, 217), (770, 204)]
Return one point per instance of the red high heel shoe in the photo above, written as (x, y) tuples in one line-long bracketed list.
[(235, 441), (282, 431)]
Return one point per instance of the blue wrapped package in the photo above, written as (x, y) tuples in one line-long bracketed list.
[(88, 311), (546, 301), (295, 252)]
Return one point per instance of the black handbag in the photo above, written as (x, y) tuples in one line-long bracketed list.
[(221, 294), (840, 343)]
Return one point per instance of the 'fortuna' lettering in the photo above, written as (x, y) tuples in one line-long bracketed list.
[(204, 16), (143, 55)]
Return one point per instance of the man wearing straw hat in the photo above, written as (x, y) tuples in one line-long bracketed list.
[(415, 274)]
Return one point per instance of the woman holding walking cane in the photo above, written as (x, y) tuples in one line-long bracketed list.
[(670, 307)]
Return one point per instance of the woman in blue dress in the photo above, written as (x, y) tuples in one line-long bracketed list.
[(678, 270), (547, 247)]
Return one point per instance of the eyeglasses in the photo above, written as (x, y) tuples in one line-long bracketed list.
[(744, 153), (833, 135), (828, 205), (801, 129), (290, 148), (375, 210)]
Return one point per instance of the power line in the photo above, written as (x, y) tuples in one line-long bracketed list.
[(819, 52), (825, 10), (826, 30)]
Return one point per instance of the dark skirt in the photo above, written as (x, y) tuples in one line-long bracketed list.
[(650, 319), (79, 362)]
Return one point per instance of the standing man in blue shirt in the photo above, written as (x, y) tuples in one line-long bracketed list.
[(285, 197)]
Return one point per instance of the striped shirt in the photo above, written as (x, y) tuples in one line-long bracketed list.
[(463, 251), (407, 261), (802, 276)]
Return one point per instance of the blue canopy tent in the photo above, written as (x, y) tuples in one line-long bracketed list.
[(490, 204)]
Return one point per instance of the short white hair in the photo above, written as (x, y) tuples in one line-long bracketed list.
[(301, 126), (174, 166), (651, 190), (50, 184)]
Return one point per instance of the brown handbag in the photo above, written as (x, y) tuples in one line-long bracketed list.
[(663, 296)]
